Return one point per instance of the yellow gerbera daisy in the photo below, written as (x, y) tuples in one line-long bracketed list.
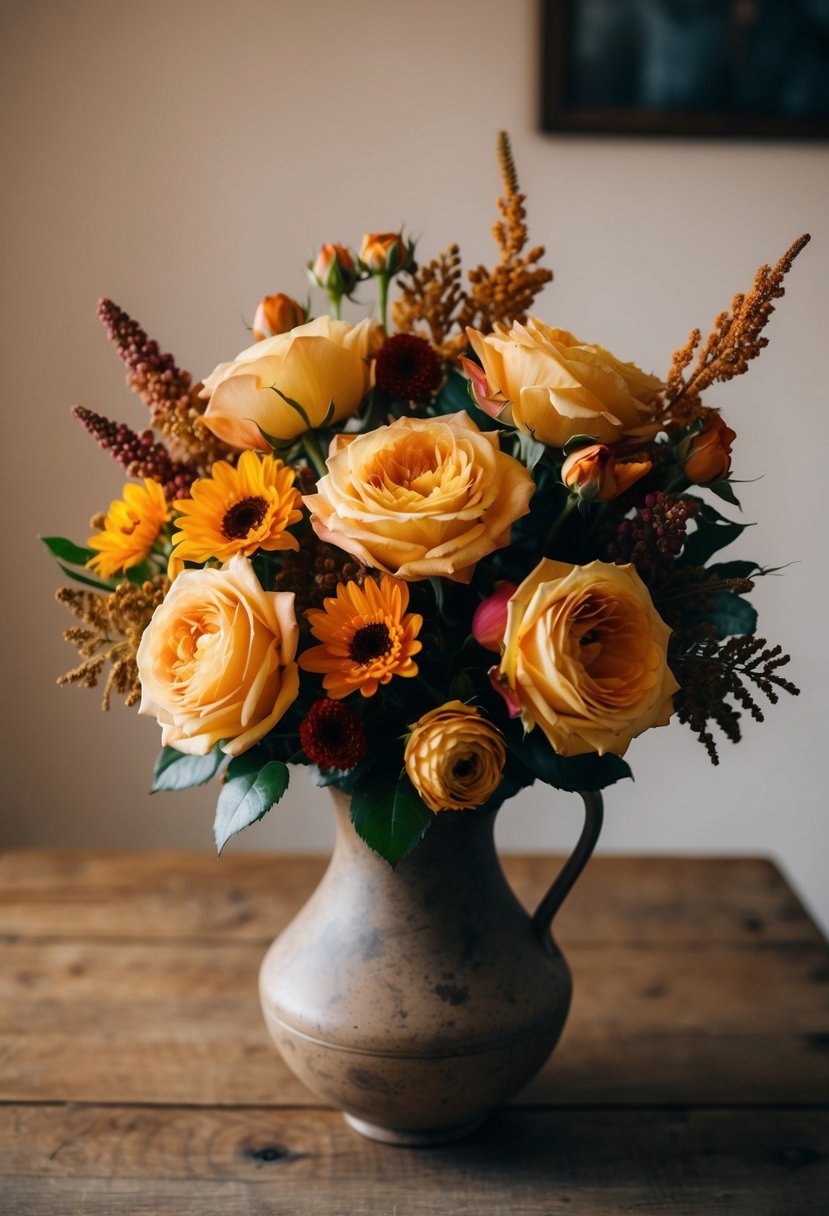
[(367, 637), (236, 511), (130, 530)]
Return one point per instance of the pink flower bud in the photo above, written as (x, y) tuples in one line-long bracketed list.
[(510, 699), (333, 268), (489, 623)]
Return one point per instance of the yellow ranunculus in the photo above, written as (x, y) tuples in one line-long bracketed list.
[(420, 497), (585, 657), (455, 758), (216, 661), (555, 387), (316, 364)]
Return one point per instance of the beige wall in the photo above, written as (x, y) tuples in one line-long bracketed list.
[(185, 157)]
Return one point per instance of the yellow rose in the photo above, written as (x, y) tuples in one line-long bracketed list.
[(216, 661), (554, 387), (585, 657), (594, 474), (708, 454), (455, 758), (315, 364), (420, 497)]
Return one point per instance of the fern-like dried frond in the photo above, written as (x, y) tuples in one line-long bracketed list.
[(712, 672), (691, 589), (110, 633), (735, 339)]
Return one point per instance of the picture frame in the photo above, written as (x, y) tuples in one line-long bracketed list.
[(720, 68)]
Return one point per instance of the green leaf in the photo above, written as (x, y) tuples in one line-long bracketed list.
[(294, 406), (462, 688), (572, 773), (278, 445), (139, 574), (576, 442), (730, 615), (176, 771), (712, 534), (723, 490), (74, 554), (344, 779), (529, 450), (249, 793), (735, 569), (388, 815), (86, 579)]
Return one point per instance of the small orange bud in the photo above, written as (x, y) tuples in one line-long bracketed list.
[(276, 315), (334, 267), (596, 476), (708, 457), (384, 252), (489, 624)]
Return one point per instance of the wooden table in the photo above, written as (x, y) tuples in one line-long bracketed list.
[(135, 1075)]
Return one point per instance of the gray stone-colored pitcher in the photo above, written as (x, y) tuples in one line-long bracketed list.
[(417, 999)]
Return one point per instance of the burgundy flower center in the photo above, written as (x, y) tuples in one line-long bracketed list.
[(370, 642), (245, 515)]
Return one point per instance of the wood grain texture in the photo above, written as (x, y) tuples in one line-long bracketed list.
[(136, 1077), (108, 895), (148, 1162)]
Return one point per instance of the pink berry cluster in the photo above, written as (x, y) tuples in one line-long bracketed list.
[(151, 373)]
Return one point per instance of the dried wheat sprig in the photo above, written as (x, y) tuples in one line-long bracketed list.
[(735, 339), (110, 633)]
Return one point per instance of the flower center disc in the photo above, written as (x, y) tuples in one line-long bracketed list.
[(370, 642), (243, 517)]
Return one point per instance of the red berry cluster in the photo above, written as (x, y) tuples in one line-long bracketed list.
[(140, 455), (654, 534), (332, 735), (150, 372)]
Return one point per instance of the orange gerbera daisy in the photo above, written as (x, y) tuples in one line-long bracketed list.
[(236, 510), (367, 637)]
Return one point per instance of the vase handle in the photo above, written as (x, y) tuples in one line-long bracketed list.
[(573, 866)]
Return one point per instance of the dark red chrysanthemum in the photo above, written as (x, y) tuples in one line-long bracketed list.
[(332, 735), (407, 367)]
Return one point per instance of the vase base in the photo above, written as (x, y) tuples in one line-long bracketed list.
[(405, 1138)]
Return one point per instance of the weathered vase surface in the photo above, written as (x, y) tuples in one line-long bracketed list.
[(415, 999)]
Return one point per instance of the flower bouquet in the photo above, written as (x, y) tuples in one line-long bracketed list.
[(435, 559)]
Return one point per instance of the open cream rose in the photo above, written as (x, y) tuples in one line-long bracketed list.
[(316, 364), (420, 497), (585, 657), (552, 386), (216, 661)]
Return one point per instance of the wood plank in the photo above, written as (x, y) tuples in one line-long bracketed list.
[(135, 895), (147, 1162), (180, 1023)]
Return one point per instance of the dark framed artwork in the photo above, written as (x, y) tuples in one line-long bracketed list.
[(686, 67)]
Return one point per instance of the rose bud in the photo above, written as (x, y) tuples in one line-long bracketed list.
[(334, 270), (385, 253), (489, 624), (594, 474), (276, 315), (708, 454)]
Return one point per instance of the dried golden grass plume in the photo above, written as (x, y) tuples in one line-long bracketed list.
[(432, 295), (736, 339)]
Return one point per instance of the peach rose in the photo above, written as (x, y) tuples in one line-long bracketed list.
[(420, 497), (708, 454), (455, 758), (334, 267), (552, 386), (596, 476), (585, 657), (315, 364), (216, 661)]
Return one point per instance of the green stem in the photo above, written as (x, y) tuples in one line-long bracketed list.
[(314, 453), (383, 289), (336, 304), (558, 523)]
